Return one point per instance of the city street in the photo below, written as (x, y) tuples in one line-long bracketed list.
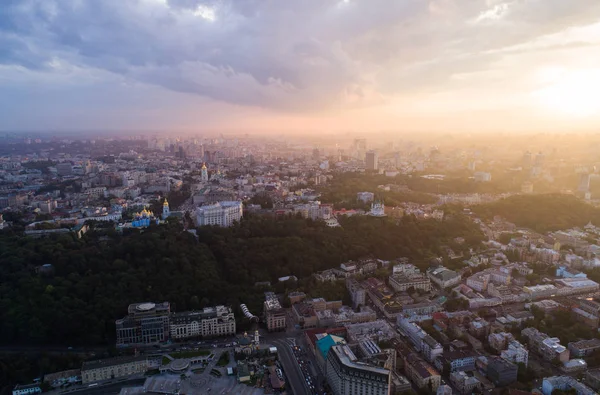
[(290, 367)]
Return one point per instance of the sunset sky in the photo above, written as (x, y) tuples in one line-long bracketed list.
[(300, 65)]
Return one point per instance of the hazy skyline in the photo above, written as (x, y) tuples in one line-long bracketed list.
[(359, 65)]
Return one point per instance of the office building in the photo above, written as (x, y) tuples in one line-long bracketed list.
[(146, 323), (347, 376), (211, 321), (275, 315), (112, 368), (501, 372), (371, 161), (219, 214)]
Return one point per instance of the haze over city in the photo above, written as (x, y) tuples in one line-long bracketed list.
[(299, 197), (300, 66)]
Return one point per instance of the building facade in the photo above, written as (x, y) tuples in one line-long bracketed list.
[(219, 214), (146, 323), (501, 372), (346, 376), (275, 315), (211, 321), (112, 368), (401, 282)]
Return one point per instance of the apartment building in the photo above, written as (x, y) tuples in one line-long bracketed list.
[(423, 375), (548, 347), (516, 353), (583, 348)]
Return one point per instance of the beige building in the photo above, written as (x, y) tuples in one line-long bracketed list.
[(401, 282), (104, 369), (211, 321), (423, 375), (275, 315)]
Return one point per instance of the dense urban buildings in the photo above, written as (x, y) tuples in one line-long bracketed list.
[(151, 323)]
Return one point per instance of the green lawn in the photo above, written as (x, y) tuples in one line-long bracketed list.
[(190, 354), (165, 360)]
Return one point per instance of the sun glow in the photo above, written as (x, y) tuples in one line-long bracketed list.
[(573, 92)]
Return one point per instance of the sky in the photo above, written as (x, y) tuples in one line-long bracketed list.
[(300, 65)]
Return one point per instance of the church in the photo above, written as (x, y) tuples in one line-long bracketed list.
[(143, 219)]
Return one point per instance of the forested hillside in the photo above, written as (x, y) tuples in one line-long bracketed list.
[(542, 213), (96, 277)]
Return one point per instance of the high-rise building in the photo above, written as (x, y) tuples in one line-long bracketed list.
[(146, 323), (220, 214), (371, 161), (584, 182), (347, 376)]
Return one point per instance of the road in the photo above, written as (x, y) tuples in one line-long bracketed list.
[(291, 368)]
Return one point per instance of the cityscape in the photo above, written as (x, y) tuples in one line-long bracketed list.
[(341, 268), (313, 197)]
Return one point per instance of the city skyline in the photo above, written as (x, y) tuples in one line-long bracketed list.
[(319, 66)]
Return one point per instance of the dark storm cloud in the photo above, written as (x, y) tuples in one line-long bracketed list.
[(288, 54)]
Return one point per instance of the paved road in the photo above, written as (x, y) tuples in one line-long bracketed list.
[(291, 368)]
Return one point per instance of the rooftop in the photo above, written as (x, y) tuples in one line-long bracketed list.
[(347, 358)]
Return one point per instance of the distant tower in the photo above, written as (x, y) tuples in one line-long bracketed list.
[(204, 173), (397, 160), (371, 160), (256, 339), (584, 183), (166, 210)]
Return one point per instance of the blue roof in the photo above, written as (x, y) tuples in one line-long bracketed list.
[(325, 344)]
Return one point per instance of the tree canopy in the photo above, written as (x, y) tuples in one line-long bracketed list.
[(542, 213), (96, 277)]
